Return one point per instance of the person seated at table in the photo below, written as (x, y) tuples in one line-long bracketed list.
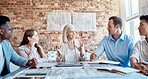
[(29, 47), (140, 52), (70, 50), (117, 45), (7, 54)]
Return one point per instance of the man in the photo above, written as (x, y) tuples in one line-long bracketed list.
[(7, 53), (117, 45), (140, 52)]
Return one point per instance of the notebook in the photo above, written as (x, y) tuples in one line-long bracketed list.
[(117, 69)]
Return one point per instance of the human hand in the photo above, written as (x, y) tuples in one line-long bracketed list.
[(59, 51), (80, 48), (32, 62), (136, 65), (143, 67), (93, 56), (144, 63)]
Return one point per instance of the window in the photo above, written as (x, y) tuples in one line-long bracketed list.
[(132, 28), (130, 13), (132, 8)]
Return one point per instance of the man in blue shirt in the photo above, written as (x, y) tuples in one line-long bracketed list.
[(7, 53), (117, 46)]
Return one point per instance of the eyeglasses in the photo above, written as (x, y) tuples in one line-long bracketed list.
[(7, 29)]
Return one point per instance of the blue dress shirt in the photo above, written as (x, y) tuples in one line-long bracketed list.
[(119, 50), (11, 55), (2, 59)]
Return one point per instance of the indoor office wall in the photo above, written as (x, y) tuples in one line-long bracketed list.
[(26, 14)]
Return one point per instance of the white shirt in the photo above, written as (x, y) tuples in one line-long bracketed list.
[(71, 56), (1, 59), (140, 51), (31, 52)]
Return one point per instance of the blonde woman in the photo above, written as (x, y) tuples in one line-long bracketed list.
[(29, 47), (70, 50)]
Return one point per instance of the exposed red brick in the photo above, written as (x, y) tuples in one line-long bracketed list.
[(28, 14)]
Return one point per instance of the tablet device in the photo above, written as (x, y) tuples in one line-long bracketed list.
[(70, 65)]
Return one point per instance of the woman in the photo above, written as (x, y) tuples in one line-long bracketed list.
[(70, 50), (29, 47)]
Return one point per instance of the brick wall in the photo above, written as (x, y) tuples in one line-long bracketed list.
[(25, 14)]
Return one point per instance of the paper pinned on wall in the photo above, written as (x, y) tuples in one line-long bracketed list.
[(56, 21), (82, 21)]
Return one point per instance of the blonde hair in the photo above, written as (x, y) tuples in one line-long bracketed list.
[(65, 30)]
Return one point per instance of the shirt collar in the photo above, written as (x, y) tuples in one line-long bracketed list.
[(111, 37), (145, 41), (121, 37)]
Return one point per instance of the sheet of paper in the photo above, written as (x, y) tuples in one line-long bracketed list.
[(117, 68), (126, 70), (74, 73), (102, 62), (34, 73), (46, 64)]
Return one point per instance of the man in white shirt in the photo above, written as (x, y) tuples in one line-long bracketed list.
[(140, 52)]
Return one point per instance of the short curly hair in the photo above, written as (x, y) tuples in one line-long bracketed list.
[(144, 17), (3, 20)]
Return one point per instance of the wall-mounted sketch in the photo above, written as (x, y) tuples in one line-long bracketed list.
[(81, 21), (84, 21), (56, 21)]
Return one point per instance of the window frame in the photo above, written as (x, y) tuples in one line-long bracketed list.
[(127, 20)]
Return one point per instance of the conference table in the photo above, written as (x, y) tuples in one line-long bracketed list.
[(71, 71)]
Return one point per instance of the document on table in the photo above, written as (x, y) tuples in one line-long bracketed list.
[(46, 64), (102, 62), (34, 72), (74, 73), (116, 69)]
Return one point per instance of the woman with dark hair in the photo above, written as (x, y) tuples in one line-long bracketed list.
[(29, 47)]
